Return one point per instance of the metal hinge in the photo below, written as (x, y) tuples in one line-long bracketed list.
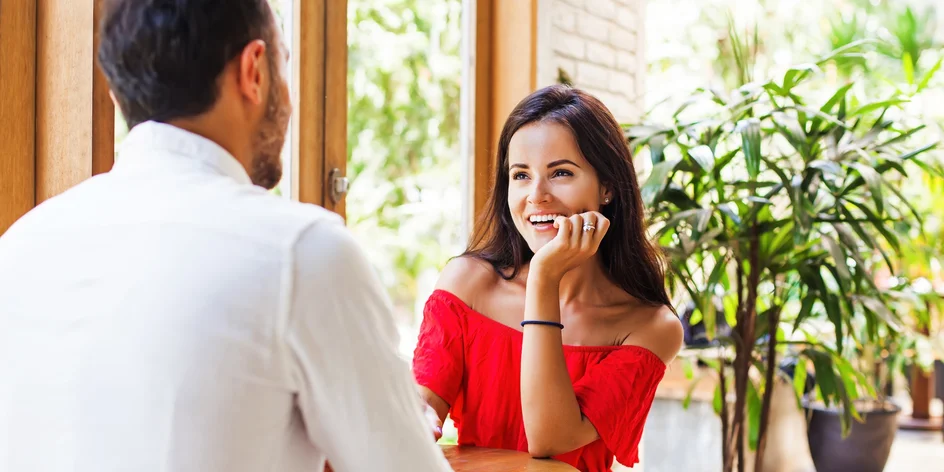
[(337, 184)]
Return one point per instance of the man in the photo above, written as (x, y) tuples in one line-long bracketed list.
[(172, 315)]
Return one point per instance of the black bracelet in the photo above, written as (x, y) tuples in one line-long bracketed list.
[(542, 322)]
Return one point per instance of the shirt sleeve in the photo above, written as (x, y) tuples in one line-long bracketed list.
[(358, 400), (616, 396), (439, 357)]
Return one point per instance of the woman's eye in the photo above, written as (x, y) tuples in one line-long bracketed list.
[(519, 176), (562, 173)]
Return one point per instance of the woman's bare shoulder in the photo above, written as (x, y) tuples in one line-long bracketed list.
[(468, 277), (661, 333)]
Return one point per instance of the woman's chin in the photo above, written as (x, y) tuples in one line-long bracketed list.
[(537, 242)]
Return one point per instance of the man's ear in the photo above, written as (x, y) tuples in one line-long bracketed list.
[(252, 70)]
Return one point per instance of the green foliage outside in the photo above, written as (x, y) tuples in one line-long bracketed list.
[(404, 74), (798, 196)]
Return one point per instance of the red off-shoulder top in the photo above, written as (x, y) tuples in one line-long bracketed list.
[(473, 362)]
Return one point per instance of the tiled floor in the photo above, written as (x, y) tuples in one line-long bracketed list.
[(917, 451)]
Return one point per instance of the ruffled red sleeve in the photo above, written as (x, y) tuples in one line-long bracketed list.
[(438, 359), (616, 395)]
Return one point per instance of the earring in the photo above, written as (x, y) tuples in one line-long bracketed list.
[(606, 200)]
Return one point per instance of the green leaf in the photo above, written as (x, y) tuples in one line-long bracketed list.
[(840, 94), (799, 378), (847, 375), (753, 414), (730, 209), (848, 409), (703, 156), (730, 310), (679, 198), (657, 148), (879, 225), (825, 377), (750, 145), (920, 150), (687, 367), (865, 109), (844, 51), (688, 393), (875, 306), (834, 313), (927, 77), (716, 401), (805, 309), (657, 180), (874, 181), (901, 136), (838, 256), (796, 74), (828, 167), (908, 66)]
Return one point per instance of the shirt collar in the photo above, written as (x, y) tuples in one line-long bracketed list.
[(150, 138)]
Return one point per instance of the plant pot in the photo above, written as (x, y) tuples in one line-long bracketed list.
[(939, 379), (865, 449)]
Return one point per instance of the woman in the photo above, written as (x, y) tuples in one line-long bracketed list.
[(552, 331)]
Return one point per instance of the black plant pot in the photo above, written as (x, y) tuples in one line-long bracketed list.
[(866, 448), (939, 379)]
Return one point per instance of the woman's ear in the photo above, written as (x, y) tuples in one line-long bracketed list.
[(607, 196)]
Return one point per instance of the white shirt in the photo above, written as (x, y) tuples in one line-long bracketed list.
[(171, 316)]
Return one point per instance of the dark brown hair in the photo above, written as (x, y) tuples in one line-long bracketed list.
[(163, 58), (629, 258)]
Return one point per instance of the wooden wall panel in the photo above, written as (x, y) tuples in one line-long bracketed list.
[(505, 72), (319, 129), (17, 115), (335, 124), (308, 85), (74, 115)]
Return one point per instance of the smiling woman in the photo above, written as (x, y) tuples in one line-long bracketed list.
[(553, 330)]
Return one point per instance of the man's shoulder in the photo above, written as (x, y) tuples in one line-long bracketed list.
[(285, 219)]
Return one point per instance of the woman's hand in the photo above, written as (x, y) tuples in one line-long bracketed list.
[(434, 422), (578, 238)]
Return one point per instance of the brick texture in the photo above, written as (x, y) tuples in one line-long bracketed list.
[(598, 45)]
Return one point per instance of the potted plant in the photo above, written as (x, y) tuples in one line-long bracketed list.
[(774, 208)]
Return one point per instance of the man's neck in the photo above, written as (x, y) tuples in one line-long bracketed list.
[(237, 144)]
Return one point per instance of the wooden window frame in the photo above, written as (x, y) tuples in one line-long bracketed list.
[(18, 114), (504, 72), (58, 126), (319, 127)]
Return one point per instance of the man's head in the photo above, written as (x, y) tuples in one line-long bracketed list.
[(211, 65)]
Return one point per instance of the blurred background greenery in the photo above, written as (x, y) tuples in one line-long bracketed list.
[(404, 76)]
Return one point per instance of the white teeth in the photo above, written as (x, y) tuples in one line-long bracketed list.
[(542, 218)]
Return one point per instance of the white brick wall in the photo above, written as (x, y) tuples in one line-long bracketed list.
[(599, 45)]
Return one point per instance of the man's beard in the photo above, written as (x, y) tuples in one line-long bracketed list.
[(266, 168)]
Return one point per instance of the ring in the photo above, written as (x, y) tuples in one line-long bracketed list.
[(588, 227)]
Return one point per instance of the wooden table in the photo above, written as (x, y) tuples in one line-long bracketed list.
[(476, 459)]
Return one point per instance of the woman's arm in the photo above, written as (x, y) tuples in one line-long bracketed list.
[(553, 422), (438, 406)]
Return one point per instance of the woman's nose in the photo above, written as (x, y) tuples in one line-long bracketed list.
[(538, 192)]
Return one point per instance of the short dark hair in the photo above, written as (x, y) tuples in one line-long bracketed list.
[(629, 257), (163, 58)]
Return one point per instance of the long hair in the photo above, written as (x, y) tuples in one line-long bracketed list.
[(629, 257)]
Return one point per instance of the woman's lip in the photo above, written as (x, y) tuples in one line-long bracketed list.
[(543, 227)]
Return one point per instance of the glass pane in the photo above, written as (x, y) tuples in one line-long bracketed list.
[(283, 12), (404, 152)]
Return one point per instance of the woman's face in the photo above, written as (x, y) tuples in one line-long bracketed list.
[(548, 177)]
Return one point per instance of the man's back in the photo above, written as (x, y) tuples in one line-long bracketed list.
[(171, 316)]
